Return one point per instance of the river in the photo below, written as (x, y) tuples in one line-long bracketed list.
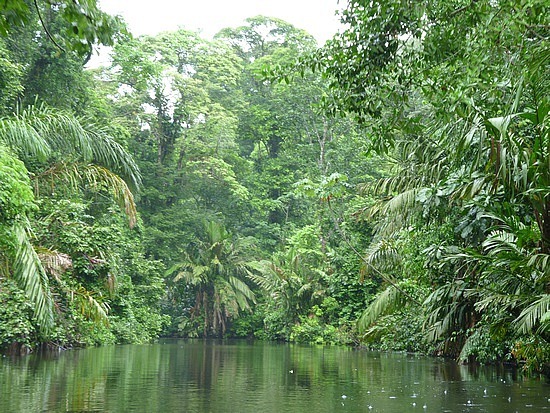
[(239, 376)]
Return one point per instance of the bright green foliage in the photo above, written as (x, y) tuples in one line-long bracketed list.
[(10, 79), (456, 94), (216, 142), (39, 134), (101, 276), (447, 49), (16, 197), (83, 23), (75, 273), (292, 285), (176, 94), (16, 327), (178, 76), (37, 69), (263, 36), (17, 256)]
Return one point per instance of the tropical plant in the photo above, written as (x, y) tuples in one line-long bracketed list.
[(60, 148), (467, 131), (215, 269), (292, 282), (17, 256)]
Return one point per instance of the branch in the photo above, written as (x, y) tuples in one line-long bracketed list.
[(45, 28), (461, 9)]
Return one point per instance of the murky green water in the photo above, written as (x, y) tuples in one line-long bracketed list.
[(208, 376)]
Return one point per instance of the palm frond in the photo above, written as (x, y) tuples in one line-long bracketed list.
[(401, 203), (304, 290), (175, 268), (395, 211), (268, 276), (540, 262), (29, 273), (242, 293), (62, 131), (536, 313), (39, 130), (192, 274), (110, 154), (89, 306), (242, 288), (447, 309), (19, 135), (499, 300), (97, 178), (383, 256), (385, 303), (54, 262)]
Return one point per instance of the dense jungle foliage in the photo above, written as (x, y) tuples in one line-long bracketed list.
[(389, 189)]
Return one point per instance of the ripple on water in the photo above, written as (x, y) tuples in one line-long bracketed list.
[(203, 376)]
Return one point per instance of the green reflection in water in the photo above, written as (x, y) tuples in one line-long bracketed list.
[(214, 376)]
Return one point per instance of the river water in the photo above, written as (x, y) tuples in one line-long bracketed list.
[(239, 376)]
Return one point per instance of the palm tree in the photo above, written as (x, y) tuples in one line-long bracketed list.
[(215, 268), (491, 175), (62, 149), (292, 282)]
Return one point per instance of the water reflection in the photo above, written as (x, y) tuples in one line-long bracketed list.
[(213, 376)]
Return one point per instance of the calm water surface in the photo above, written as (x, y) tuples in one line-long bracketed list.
[(212, 376)]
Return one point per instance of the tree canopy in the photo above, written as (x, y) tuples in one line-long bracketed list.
[(71, 25), (389, 189)]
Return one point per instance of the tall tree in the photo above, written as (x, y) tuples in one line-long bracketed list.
[(457, 94), (215, 268), (184, 134)]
